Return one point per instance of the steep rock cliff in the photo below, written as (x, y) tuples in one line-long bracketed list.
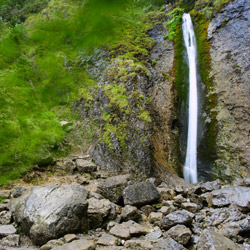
[(229, 37)]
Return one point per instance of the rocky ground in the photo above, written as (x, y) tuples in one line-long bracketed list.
[(83, 208)]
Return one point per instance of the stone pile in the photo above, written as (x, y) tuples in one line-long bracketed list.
[(123, 214)]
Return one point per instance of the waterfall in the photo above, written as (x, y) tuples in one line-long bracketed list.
[(190, 169)]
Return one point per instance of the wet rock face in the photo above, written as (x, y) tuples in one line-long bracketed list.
[(229, 37), (48, 212)]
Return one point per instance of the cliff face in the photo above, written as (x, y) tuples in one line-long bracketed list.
[(229, 37)]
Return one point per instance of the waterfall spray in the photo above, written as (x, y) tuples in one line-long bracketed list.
[(190, 169)]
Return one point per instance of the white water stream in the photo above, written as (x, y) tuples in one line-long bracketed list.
[(190, 169)]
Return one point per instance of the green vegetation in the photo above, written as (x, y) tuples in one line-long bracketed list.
[(41, 72)]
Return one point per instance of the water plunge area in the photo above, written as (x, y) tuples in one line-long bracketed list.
[(193, 112)]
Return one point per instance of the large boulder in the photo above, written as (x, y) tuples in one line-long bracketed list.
[(49, 212), (239, 196), (140, 194), (214, 241), (112, 187)]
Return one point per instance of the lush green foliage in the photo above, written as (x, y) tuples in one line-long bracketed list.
[(40, 73)]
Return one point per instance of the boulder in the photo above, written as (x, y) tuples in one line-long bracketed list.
[(155, 218), (77, 245), (177, 217), (213, 241), (168, 244), (120, 231), (130, 213), (140, 194), (49, 212), (239, 196), (18, 191), (154, 235), (190, 206), (112, 187), (6, 230), (85, 166), (180, 233)]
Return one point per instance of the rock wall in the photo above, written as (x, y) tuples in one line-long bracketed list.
[(229, 37)]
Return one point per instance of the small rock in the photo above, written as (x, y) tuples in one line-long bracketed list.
[(168, 244), (18, 191), (5, 217), (120, 231), (112, 187), (130, 213), (77, 245), (140, 194), (180, 233), (111, 224), (70, 237), (11, 240), (136, 229), (85, 166), (189, 206), (178, 200), (214, 241), (3, 207), (6, 230), (52, 244), (245, 225), (166, 193), (147, 209), (178, 217), (167, 210), (246, 181), (155, 235), (155, 218), (5, 193), (108, 240), (210, 186), (138, 244)]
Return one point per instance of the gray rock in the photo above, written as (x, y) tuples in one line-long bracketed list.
[(49, 212), (138, 244), (136, 229), (239, 196), (108, 240), (147, 209), (155, 235), (77, 245), (6, 230), (11, 240), (246, 181), (177, 217), (245, 225), (180, 233), (52, 244), (167, 209), (130, 213), (112, 187), (5, 217), (98, 212), (110, 248), (85, 166), (120, 231), (214, 241), (140, 194), (191, 207), (168, 244)]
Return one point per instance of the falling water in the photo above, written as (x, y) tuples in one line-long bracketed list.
[(190, 169)]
